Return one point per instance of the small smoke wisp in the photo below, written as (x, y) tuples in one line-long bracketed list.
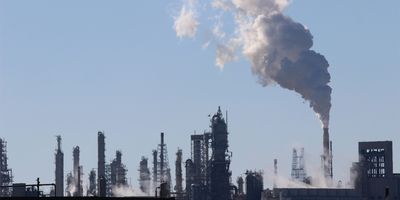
[(278, 48), (186, 23)]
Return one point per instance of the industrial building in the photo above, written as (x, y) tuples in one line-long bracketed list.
[(144, 176), (91, 191), (207, 174), (210, 177), (178, 176), (373, 179), (161, 170), (118, 172)]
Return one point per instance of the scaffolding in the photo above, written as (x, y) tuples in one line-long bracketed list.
[(298, 170), (6, 177), (161, 170)]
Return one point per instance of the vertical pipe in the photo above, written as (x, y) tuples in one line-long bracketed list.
[(59, 172), (275, 172), (155, 177), (101, 164), (331, 159), (178, 174), (79, 182), (325, 157), (162, 158)]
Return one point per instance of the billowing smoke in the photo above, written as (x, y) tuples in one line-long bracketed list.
[(279, 50)]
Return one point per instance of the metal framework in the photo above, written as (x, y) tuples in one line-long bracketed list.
[(118, 171), (144, 176), (6, 177), (298, 169), (161, 170), (178, 175)]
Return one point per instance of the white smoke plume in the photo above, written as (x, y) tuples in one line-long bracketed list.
[(126, 191), (186, 23), (279, 50)]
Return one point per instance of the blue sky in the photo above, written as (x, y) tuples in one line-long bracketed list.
[(76, 67)]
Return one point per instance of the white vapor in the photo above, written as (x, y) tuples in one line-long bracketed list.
[(278, 48), (126, 191), (186, 23)]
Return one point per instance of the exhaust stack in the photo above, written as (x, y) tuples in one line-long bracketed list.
[(327, 155)]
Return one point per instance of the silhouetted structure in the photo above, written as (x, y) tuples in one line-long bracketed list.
[(77, 173), (6, 177), (375, 177), (275, 172), (240, 183), (161, 170), (59, 172), (70, 185), (155, 166), (92, 183), (101, 168), (178, 175), (254, 185), (74, 182), (210, 178), (220, 186), (118, 172), (144, 176), (327, 157), (298, 170)]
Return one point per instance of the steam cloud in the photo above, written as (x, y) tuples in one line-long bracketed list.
[(278, 48), (186, 22)]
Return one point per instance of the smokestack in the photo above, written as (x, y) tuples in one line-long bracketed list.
[(79, 185), (155, 178), (327, 157), (331, 159), (162, 159), (75, 155), (178, 174), (59, 156), (326, 142), (102, 186), (101, 164), (275, 171)]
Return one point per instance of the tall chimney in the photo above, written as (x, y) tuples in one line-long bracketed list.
[(101, 164), (162, 178), (326, 157), (326, 143), (155, 177), (59, 168), (178, 174), (275, 172)]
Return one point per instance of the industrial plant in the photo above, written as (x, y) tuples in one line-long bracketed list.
[(206, 174)]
